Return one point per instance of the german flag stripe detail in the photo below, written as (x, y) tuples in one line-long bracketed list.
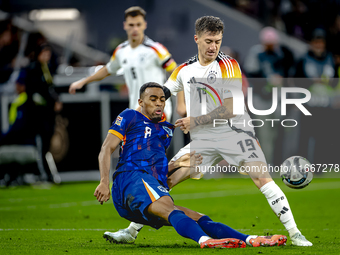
[(174, 74), (114, 53), (169, 65), (229, 67), (161, 51)]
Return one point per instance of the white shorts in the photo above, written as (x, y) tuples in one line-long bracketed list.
[(236, 150)]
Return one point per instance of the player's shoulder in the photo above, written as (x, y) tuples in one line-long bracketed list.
[(128, 113), (230, 68), (183, 66), (122, 45), (225, 59), (129, 117), (188, 63), (119, 49), (168, 124), (191, 60), (156, 46), (147, 41)]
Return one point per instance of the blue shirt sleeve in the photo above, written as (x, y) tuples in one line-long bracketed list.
[(121, 124)]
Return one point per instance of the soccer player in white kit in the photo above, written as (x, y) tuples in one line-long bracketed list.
[(141, 59), (236, 144)]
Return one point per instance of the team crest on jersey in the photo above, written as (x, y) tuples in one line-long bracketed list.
[(161, 188), (212, 77), (118, 121), (168, 130)]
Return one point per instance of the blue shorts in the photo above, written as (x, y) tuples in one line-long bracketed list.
[(133, 192)]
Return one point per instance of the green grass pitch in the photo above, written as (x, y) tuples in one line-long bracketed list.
[(66, 219)]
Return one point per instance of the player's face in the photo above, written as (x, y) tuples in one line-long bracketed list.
[(208, 44), (153, 103), (134, 27)]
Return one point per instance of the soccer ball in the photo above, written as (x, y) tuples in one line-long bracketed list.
[(295, 172)]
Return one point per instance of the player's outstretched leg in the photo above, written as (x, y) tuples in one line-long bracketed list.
[(188, 228), (277, 201), (185, 226), (220, 230), (126, 235)]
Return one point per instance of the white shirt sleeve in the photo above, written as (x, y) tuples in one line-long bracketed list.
[(113, 66), (175, 83)]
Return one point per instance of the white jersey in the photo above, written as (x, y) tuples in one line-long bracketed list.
[(142, 64), (205, 87)]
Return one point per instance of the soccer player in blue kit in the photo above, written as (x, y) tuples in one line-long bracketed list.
[(140, 190)]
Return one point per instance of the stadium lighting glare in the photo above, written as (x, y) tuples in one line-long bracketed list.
[(54, 14)]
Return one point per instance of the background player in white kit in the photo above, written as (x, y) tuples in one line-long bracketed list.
[(142, 60), (236, 145)]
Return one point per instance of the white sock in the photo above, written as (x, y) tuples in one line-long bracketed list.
[(279, 203), (203, 239), (134, 228), (248, 239), (293, 231)]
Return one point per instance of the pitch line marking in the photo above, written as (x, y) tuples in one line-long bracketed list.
[(189, 196)]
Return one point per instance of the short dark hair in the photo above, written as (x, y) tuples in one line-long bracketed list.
[(148, 85), (135, 11), (208, 24)]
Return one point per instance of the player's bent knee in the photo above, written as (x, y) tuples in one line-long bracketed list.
[(259, 173)]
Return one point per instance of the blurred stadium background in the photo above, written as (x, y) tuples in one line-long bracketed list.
[(54, 219), (83, 35)]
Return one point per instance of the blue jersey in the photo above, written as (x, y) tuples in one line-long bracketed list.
[(144, 144)]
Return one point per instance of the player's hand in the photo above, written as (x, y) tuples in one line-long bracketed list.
[(76, 85), (102, 193), (190, 160), (185, 124), (58, 106)]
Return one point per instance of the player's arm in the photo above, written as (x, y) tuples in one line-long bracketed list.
[(181, 107), (102, 192), (224, 111), (170, 66), (164, 58), (101, 74), (110, 68), (183, 168)]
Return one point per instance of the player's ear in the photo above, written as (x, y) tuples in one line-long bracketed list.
[(140, 102), (124, 25), (146, 25), (195, 38)]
